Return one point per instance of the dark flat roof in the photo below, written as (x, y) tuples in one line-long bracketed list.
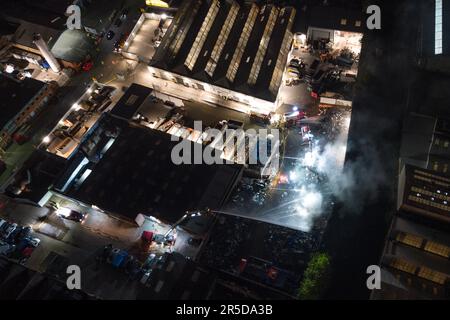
[(130, 102), (48, 13), (330, 18), (136, 175), (15, 95)]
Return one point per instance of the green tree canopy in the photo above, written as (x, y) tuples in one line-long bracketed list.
[(316, 277)]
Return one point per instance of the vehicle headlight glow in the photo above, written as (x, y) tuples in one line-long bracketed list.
[(63, 212)]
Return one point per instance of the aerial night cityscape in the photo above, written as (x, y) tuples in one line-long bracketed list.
[(221, 150)]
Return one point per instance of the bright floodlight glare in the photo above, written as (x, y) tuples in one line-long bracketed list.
[(76, 106), (46, 139), (293, 176), (312, 200), (301, 211), (295, 108), (275, 118), (9, 68), (89, 90), (63, 211), (347, 122), (163, 16), (308, 160)]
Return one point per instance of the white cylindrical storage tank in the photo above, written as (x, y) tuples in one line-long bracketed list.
[(49, 57)]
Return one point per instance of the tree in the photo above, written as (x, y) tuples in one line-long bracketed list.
[(316, 277)]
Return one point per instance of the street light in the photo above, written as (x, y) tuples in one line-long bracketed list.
[(76, 106), (46, 139)]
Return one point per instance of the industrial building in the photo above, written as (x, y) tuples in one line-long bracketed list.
[(230, 51), (415, 261), (324, 22), (21, 101), (126, 170), (426, 143), (434, 46)]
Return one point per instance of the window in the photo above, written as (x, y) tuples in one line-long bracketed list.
[(438, 28), (358, 23), (343, 22), (242, 43), (263, 45), (403, 265), (437, 248), (432, 275), (410, 239), (201, 35), (221, 40)]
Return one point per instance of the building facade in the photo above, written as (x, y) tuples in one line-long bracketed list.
[(415, 261)]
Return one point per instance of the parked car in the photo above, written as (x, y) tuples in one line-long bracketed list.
[(265, 119), (9, 230), (318, 76), (2, 222), (70, 214), (87, 66), (35, 242), (235, 124), (344, 61), (119, 258), (24, 233), (25, 248), (294, 62), (13, 237), (110, 35), (116, 46), (118, 22), (6, 248), (313, 67), (106, 90), (105, 253)]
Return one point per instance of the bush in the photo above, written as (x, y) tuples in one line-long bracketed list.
[(316, 277)]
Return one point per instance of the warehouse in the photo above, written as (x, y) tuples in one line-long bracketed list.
[(228, 51)]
